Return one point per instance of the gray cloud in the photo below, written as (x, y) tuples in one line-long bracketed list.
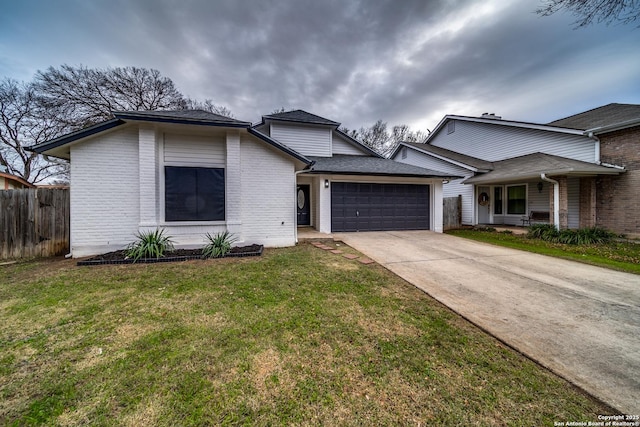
[(351, 61)]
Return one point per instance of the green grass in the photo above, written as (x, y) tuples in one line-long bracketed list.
[(298, 336), (622, 256)]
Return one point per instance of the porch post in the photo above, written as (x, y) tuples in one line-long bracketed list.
[(324, 203), (564, 202)]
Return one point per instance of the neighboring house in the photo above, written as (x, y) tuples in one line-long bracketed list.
[(511, 169), (11, 182), (192, 172), (617, 128)]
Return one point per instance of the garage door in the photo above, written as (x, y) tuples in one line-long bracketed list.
[(379, 207)]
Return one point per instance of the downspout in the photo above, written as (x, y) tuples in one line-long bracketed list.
[(597, 148), (556, 199)]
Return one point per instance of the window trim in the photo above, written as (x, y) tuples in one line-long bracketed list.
[(526, 199)]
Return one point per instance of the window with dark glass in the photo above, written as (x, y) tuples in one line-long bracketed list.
[(497, 200), (517, 199), (194, 194)]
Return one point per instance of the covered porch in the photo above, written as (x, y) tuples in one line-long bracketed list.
[(556, 190)]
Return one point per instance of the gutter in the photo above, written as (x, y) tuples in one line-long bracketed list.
[(556, 199)]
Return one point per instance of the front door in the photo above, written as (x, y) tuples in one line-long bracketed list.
[(304, 207), (484, 205)]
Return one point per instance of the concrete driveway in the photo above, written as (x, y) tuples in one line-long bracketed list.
[(580, 321)]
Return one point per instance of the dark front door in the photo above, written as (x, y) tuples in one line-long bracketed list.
[(363, 206), (304, 207)]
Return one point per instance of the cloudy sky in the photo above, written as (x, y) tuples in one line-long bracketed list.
[(353, 61)]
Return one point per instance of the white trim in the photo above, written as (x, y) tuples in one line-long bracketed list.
[(441, 157), (501, 122)]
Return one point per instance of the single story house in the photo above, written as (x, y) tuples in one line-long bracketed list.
[(192, 172), (10, 182), (510, 169)]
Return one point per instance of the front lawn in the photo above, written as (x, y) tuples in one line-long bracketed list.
[(619, 255), (298, 336)]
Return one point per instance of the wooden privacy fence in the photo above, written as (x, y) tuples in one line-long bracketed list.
[(34, 222), (451, 212)]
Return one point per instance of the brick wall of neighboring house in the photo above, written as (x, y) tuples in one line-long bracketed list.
[(618, 197)]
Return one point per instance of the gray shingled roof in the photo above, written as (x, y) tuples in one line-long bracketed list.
[(366, 165), (532, 165), (604, 116), (300, 116), (196, 116), (474, 162)]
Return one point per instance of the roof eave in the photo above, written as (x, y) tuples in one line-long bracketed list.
[(310, 122), (536, 175), (503, 122), (445, 159), (359, 144), (401, 175), (175, 120), (613, 127), (75, 136)]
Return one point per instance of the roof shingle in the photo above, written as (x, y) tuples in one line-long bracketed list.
[(300, 116), (604, 116)]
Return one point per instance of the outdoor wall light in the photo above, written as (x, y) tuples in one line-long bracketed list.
[(540, 185), (326, 183)]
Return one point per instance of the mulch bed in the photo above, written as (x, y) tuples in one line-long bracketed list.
[(119, 257)]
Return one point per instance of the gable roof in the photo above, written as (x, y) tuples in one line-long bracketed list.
[(198, 117), (366, 165), (531, 166), (300, 116), (603, 119), (468, 162), (501, 122), (191, 117)]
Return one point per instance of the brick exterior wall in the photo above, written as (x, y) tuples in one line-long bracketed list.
[(587, 202), (618, 197)]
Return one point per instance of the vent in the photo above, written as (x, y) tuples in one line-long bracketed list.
[(451, 126), (491, 116)]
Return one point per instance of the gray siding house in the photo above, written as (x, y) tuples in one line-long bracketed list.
[(511, 169)]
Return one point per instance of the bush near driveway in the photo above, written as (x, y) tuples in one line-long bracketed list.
[(298, 336)]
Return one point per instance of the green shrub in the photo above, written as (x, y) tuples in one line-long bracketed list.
[(583, 236), (150, 244), (542, 231), (219, 244)]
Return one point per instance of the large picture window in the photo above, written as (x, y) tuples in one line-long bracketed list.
[(194, 194), (516, 200)]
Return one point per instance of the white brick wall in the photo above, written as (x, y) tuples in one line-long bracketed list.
[(268, 191), (105, 200)]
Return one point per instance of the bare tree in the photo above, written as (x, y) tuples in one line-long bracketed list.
[(208, 105), (378, 138), (61, 100), (83, 96), (590, 11), (24, 122)]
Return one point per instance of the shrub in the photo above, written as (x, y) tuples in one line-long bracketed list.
[(542, 231), (219, 244), (150, 244), (583, 236)]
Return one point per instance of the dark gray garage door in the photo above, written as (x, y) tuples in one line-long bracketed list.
[(379, 207)]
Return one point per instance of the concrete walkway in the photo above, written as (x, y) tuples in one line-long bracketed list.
[(580, 321)]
